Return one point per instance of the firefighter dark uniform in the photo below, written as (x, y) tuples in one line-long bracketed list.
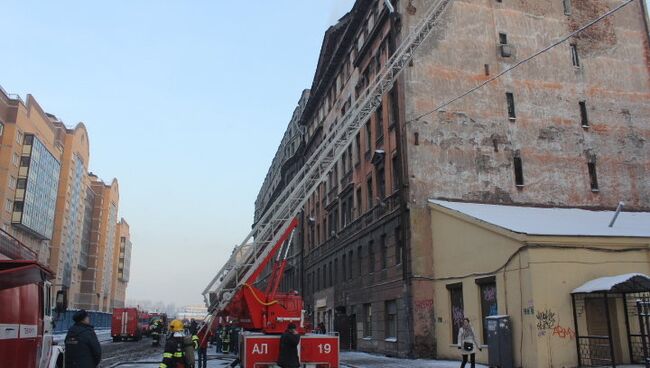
[(225, 340), (174, 354)]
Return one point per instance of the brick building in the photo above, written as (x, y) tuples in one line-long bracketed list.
[(567, 129)]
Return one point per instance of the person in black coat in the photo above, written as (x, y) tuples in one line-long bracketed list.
[(289, 348), (82, 349)]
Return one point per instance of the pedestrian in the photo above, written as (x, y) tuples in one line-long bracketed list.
[(467, 343), (218, 337), (289, 341), (82, 349), (174, 354), (205, 334), (234, 340), (321, 328), (194, 327)]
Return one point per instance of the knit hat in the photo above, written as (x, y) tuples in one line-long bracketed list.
[(79, 316)]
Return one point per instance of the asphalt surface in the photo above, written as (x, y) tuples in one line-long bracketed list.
[(124, 351)]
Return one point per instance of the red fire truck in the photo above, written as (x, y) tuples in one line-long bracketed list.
[(126, 324), (26, 339), (265, 314)]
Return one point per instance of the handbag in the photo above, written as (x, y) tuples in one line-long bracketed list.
[(468, 346)]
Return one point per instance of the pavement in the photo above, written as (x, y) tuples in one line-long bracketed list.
[(365, 360)]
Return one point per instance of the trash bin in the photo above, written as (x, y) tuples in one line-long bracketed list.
[(499, 341)]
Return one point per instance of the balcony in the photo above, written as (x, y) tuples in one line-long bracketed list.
[(12, 248)]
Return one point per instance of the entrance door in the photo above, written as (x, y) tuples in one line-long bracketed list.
[(597, 326), (342, 326)]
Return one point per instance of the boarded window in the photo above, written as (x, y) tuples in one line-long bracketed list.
[(488, 294), (584, 119), (593, 177)]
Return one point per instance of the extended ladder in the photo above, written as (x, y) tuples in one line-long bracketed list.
[(247, 256)]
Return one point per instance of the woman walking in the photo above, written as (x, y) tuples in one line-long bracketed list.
[(467, 343)]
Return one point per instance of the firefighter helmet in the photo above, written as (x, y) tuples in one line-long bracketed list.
[(176, 326)]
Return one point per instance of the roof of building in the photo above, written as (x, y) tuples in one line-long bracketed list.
[(554, 221), (629, 282)]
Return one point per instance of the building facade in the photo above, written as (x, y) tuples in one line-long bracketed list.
[(96, 284), (121, 264), (567, 129)]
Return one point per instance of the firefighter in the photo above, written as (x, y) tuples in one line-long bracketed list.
[(205, 334), (156, 330), (174, 355), (225, 340), (190, 344)]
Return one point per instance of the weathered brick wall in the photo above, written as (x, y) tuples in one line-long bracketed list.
[(466, 152)]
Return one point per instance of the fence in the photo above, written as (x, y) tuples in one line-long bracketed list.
[(97, 319)]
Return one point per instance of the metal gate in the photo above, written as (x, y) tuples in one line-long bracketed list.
[(643, 311)]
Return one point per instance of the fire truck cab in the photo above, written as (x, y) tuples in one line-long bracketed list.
[(26, 320)]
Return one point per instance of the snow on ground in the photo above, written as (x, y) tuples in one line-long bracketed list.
[(103, 335), (364, 360), (154, 361)]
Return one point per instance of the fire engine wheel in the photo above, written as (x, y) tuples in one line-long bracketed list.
[(116, 339)]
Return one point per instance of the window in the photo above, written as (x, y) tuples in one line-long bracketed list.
[(359, 260), (567, 7), (416, 138), (394, 166), (379, 119), (399, 249), (584, 120), (2, 128), (371, 257), (593, 177), (12, 182), (24, 161), (519, 171), (344, 272), (457, 309), (368, 139), (384, 251), (575, 59), (371, 199), (8, 205), (324, 276), (350, 265), (330, 275), (381, 182), (391, 320), (503, 39), (488, 294), (15, 159), (486, 68), (394, 107), (359, 209), (19, 136), (336, 270), (318, 284), (357, 142), (510, 99), (367, 320)]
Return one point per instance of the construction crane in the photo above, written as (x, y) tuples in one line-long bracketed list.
[(249, 258)]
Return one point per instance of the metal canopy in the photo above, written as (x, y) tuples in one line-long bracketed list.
[(626, 283)]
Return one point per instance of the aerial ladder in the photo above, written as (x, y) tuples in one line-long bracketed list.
[(232, 292)]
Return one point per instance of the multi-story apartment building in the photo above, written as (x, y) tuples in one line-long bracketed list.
[(566, 129), (121, 264), (68, 223), (30, 156), (96, 283)]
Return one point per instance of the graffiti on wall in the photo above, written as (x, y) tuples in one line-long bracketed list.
[(458, 315), (423, 305), (564, 332)]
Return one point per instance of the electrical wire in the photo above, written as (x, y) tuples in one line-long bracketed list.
[(523, 61)]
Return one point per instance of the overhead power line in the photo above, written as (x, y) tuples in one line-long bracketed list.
[(523, 61)]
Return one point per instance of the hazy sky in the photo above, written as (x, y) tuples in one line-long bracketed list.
[(185, 103)]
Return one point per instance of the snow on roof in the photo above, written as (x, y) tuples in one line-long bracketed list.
[(636, 282), (554, 221)]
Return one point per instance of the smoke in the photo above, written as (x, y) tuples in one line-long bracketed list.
[(338, 9)]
